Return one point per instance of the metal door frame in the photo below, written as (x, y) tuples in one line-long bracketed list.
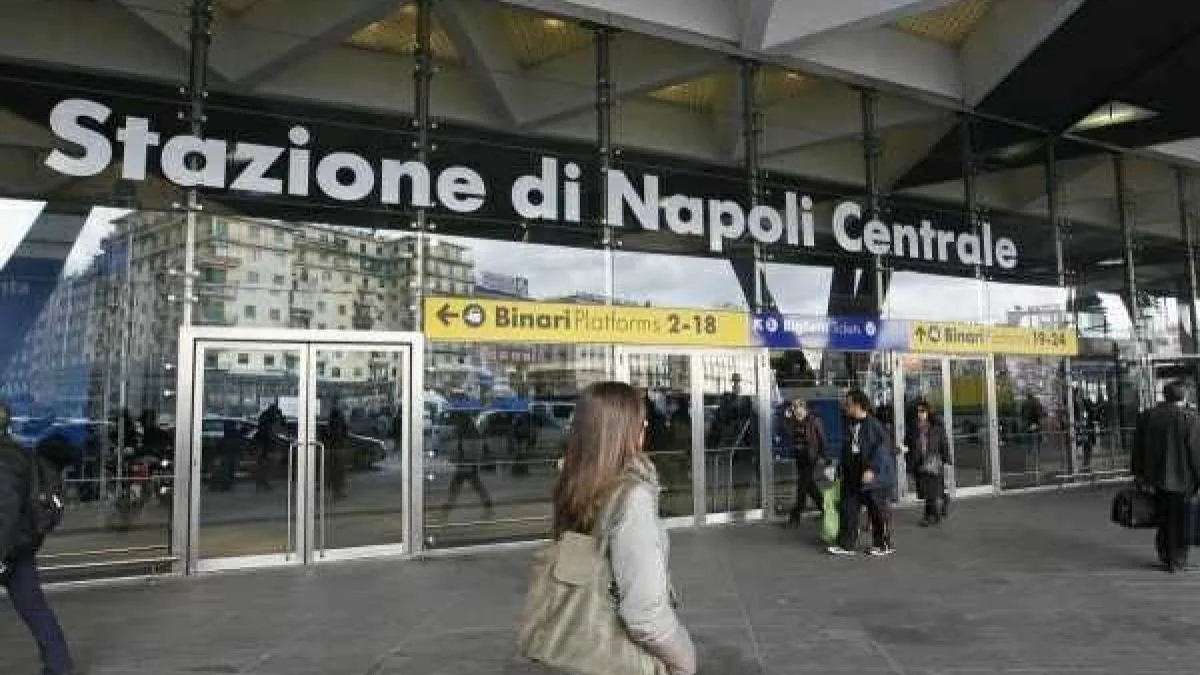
[(993, 425), (185, 523), (700, 516)]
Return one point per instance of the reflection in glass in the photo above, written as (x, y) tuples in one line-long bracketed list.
[(729, 387), (666, 380), (969, 429), (249, 454), (359, 461), (1034, 423)]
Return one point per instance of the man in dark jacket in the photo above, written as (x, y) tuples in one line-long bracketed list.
[(18, 552), (807, 438), (869, 470), (1166, 457)]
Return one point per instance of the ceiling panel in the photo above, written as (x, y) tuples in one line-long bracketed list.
[(397, 34), (950, 25), (536, 38), (237, 7), (699, 94)]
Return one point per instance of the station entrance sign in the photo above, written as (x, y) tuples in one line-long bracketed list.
[(943, 337), (487, 320)]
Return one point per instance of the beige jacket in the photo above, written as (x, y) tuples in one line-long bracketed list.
[(639, 551)]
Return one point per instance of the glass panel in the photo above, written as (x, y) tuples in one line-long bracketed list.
[(359, 462), (1034, 422), (666, 379), (969, 418), (729, 387), (922, 381), (248, 459)]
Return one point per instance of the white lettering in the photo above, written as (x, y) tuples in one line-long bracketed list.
[(1006, 253), (726, 220), (333, 166), (137, 139), (418, 177), (621, 193), (905, 242), (572, 204), (765, 224), (971, 256), (545, 205), (461, 189), (299, 162), (809, 223), (254, 177), (676, 206), (877, 238), (843, 212), (97, 151), (927, 235), (175, 167)]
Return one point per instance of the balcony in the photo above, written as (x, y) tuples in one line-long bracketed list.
[(210, 258), (225, 291)]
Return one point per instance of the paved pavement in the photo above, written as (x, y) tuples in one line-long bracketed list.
[(1031, 585)]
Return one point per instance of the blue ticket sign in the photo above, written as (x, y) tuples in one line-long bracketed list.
[(774, 329)]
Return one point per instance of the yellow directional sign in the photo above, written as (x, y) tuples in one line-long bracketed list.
[(968, 338), (480, 320)]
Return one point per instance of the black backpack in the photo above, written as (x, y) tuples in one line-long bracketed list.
[(46, 503)]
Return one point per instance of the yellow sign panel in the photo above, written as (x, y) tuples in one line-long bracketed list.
[(480, 320), (968, 338)]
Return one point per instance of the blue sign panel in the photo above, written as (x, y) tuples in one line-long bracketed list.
[(852, 333)]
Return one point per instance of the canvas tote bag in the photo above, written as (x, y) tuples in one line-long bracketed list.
[(570, 621)]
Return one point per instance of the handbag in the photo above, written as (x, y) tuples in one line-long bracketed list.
[(570, 620), (1135, 508)]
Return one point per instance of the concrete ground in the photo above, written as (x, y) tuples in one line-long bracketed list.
[(1021, 585)]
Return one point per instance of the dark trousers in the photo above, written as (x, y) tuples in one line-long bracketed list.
[(1174, 521), (806, 488), (933, 488), (879, 510), (25, 591), (467, 474)]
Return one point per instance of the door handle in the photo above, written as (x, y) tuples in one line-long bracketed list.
[(321, 490), (290, 506)]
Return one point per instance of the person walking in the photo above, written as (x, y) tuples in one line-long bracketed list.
[(928, 450), (808, 441), (606, 471), (867, 477), (19, 544), (1166, 458)]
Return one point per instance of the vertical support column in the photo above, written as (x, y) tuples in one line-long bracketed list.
[(871, 150), (1189, 243), (197, 94), (422, 81), (1054, 213), (751, 142), (603, 36), (1125, 216)]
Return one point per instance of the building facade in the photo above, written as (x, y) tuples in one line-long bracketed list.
[(210, 209)]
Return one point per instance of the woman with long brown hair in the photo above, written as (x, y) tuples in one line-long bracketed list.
[(604, 461)]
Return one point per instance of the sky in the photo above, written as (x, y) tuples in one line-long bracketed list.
[(18, 216)]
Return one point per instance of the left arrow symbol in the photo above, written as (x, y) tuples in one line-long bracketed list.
[(446, 315)]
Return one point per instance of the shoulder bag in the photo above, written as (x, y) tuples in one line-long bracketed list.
[(570, 620)]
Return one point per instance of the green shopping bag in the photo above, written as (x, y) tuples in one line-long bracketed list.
[(829, 511)]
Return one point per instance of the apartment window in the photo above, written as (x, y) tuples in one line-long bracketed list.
[(279, 237), (320, 326), (337, 372), (276, 315), (327, 276), (252, 232), (252, 277), (243, 359), (366, 282), (324, 257), (269, 361), (210, 361), (257, 255), (321, 305), (362, 248), (280, 280), (275, 293), (341, 310), (320, 369), (292, 363), (249, 311), (348, 278), (357, 373)]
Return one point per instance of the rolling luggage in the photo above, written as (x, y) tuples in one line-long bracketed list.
[(1134, 508)]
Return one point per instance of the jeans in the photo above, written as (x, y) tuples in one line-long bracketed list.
[(25, 590), (933, 489), (879, 510)]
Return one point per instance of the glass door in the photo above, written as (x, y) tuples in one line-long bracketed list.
[(358, 432), (961, 393), (300, 451), (704, 430), (246, 459)]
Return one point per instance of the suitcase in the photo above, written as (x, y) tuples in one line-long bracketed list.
[(1135, 509)]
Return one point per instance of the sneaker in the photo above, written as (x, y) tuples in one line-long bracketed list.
[(839, 551), (880, 552)]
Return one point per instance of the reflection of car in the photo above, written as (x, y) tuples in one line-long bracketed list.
[(491, 436), (366, 451)]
